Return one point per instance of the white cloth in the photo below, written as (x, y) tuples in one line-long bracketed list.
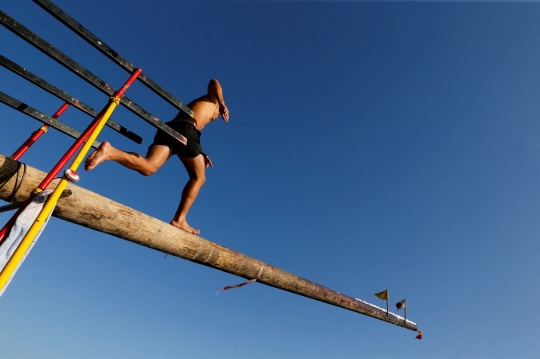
[(18, 231)]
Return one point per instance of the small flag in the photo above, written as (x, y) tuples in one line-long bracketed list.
[(382, 295), (419, 336), (402, 304)]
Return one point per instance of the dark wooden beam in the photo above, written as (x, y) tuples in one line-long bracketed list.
[(36, 80), (33, 39), (102, 47)]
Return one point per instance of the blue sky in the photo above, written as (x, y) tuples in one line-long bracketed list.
[(371, 146)]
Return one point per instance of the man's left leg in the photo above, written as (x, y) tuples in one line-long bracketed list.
[(196, 170), (155, 158)]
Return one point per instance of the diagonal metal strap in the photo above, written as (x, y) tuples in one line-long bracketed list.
[(41, 117)]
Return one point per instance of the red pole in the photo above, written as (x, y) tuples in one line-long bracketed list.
[(52, 175), (36, 135), (58, 167)]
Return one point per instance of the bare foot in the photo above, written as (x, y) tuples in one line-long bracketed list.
[(97, 156), (183, 225)]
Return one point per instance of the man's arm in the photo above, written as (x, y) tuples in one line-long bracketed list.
[(215, 93)]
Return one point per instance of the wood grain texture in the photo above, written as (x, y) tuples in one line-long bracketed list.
[(93, 211)]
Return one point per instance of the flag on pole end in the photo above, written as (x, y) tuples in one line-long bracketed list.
[(402, 304), (419, 335), (382, 295)]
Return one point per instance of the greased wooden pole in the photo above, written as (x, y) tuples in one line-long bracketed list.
[(99, 213)]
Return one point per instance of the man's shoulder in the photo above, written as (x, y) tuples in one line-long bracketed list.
[(202, 99)]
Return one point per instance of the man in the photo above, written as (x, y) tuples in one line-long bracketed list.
[(206, 108)]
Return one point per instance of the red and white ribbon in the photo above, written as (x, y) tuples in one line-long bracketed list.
[(242, 284)]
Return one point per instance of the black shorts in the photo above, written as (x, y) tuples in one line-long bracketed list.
[(187, 129)]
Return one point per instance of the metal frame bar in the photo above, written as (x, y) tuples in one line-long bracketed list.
[(16, 205), (10, 207), (42, 45), (80, 30), (41, 117), (36, 80)]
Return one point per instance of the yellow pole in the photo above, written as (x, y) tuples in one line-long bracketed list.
[(49, 205)]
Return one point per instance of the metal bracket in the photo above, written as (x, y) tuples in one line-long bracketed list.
[(12, 206)]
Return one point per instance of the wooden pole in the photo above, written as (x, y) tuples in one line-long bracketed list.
[(91, 210)]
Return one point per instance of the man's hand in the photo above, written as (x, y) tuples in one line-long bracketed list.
[(215, 94), (208, 162), (224, 112)]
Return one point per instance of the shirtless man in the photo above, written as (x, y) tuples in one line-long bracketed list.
[(206, 108)]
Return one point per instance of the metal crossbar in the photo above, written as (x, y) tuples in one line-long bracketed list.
[(67, 20), (36, 41), (41, 117), (36, 80)]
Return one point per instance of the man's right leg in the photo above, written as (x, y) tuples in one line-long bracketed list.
[(155, 158), (196, 170)]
